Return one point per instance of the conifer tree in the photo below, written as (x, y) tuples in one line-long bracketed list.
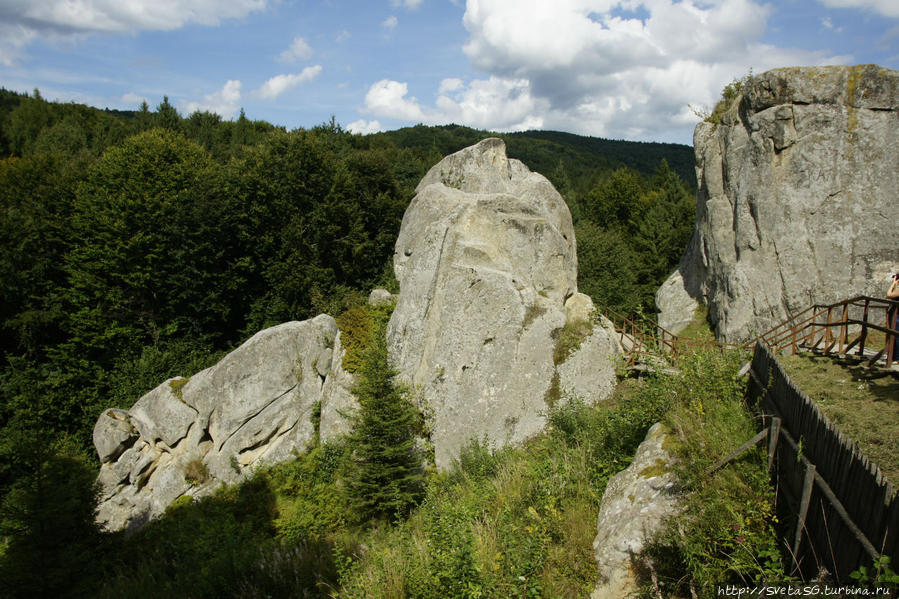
[(385, 475)]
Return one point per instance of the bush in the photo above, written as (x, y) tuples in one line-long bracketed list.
[(196, 472), (726, 531)]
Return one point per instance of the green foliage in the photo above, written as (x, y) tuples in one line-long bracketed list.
[(358, 328), (140, 245), (631, 236), (882, 576), (311, 505), (731, 92), (48, 518), (385, 474), (196, 472), (569, 338), (726, 532), (510, 523)]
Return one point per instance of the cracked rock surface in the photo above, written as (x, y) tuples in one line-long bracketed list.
[(254, 406), (486, 261), (796, 200), (635, 506)]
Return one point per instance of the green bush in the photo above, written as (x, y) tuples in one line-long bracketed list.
[(726, 532)]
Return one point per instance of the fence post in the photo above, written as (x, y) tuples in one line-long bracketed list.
[(772, 441), (807, 486), (844, 330), (893, 323), (864, 336)]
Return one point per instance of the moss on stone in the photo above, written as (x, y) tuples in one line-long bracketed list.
[(659, 468), (177, 386)]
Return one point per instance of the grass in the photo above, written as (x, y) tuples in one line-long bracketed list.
[(511, 522), (698, 329), (863, 403), (725, 533)]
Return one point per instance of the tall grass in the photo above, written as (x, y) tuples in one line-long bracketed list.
[(510, 522)]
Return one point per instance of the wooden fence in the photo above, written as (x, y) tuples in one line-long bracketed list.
[(840, 511)]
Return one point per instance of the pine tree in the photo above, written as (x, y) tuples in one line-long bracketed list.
[(385, 476)]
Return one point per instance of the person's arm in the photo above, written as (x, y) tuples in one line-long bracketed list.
[(893, 293)]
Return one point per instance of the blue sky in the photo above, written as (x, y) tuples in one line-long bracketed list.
[(624, 69)]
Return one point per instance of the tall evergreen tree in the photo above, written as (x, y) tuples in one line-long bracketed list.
[(385, 477)]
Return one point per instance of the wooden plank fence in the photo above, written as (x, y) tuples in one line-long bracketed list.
[(841, 511)]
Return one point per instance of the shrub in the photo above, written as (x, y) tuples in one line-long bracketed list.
[(726, 531), (196, 472), (358, 328)]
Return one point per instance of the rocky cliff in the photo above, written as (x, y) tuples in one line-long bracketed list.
[(487, 265), (488, 328), (796, 199), (188, 435)]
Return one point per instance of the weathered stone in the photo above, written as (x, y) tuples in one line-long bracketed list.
[(113, 434), (795, 201), (486, 260), (338, 402), (380, 297), (162, 414), (634, 507), (254, 406), (676, 305), (589, 372), (579, 307)]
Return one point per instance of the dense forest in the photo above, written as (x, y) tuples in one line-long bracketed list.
[(139, 245)]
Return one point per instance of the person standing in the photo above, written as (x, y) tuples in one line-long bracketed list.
[(892, 313)]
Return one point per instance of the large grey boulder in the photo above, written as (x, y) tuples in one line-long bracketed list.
[(796, 199), (187, 436), (486, 260), (635, 506)]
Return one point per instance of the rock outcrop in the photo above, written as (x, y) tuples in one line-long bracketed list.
[(488, 274), (486, 261), (187, 436), (634, 507), (796, 199)]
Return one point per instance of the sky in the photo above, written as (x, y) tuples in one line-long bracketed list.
[(627, 69)]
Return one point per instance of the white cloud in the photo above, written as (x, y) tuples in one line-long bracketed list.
[(225, 102), (298, 50), (409, 4), (390, 23), (134, 99), (388, 98), (597, 68), (364, 127), (13, 39), (450, 84), (827, 23), (279, 84), (497, 104), (887, 8), (582, 65), (24, 20), (343, 36)]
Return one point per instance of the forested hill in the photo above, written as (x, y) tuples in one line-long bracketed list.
[(136, 246), (549, 152)]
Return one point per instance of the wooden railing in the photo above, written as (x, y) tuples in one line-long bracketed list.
[(830, 328), (641, 336)]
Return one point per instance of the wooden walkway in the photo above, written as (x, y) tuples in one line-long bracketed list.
[(861, 327)]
